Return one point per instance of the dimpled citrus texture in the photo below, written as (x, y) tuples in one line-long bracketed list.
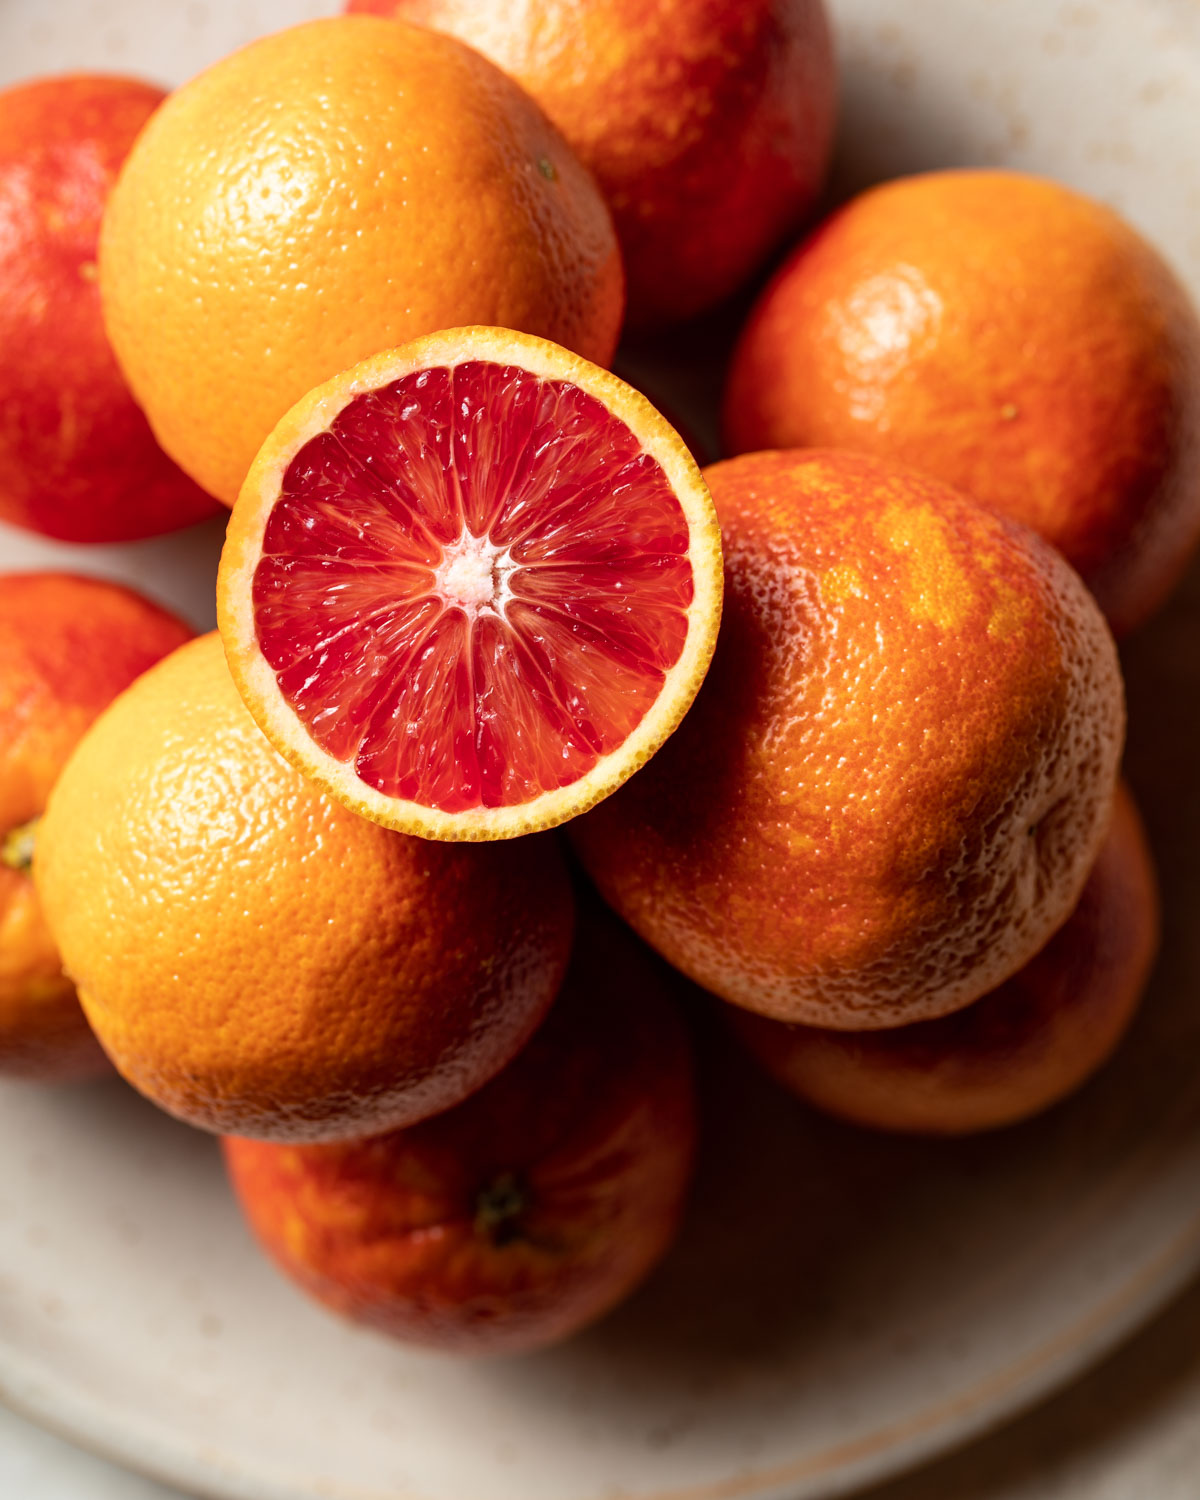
[(327, 192), (77, 458), (257, 959), (510, 1222), (1010, 337), (891, 787), (708, 123), (1020, 1049), (68, 645)]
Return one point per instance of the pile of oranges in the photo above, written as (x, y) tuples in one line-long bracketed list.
[(834, 725)]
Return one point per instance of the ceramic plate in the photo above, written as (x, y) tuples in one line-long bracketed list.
[(839, 1306)]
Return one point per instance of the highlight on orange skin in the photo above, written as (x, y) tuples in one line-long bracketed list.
[(255, 245), (470, 585), (707, 123), (516, 1218), (68, 645), (1019, 1050), (1009, 336), (897, 774)]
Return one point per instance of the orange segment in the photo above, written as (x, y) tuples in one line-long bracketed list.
[(471, 584)]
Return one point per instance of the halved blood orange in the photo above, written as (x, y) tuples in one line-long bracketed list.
[(471, 585)]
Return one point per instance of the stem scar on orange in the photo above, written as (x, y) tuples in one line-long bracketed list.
[(510, 1222), (471, 585), (255, 958)]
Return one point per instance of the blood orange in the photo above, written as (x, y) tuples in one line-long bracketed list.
[(68, 646), (527, 1211), (899, 772), (471, 585), (1025, 1046), (77, 458)]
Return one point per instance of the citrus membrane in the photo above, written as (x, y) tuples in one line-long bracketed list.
[(471, 584)]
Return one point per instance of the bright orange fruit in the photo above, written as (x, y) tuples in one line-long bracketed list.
[(327, 192), (1014, 1053), (68, 645), (471, 585), (893, 784), (256, 959), (708, 123), (77, 458), (528, 1211), (1009, 336)]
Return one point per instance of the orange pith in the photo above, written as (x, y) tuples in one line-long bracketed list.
[(1015, 1052), (897, 775), (471, 584)]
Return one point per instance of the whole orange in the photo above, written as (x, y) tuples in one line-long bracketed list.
[(528, 1211), (897, 775), (77, 458), (255, 958), (68, 645), (1020, 1049), (708, 123), (1009, 336), (326, 193)]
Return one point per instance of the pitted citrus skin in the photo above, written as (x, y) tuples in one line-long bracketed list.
[(326, 192), (1010, 337), (68, 646), (1016, 1052), (708, 123), (898, 773), (257, 959)]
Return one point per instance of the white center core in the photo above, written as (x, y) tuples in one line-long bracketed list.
[(474, 575)]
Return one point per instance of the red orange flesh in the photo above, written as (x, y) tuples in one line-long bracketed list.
[(471, 584)]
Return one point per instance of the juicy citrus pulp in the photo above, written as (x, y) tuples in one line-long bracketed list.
[(471, 584)]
